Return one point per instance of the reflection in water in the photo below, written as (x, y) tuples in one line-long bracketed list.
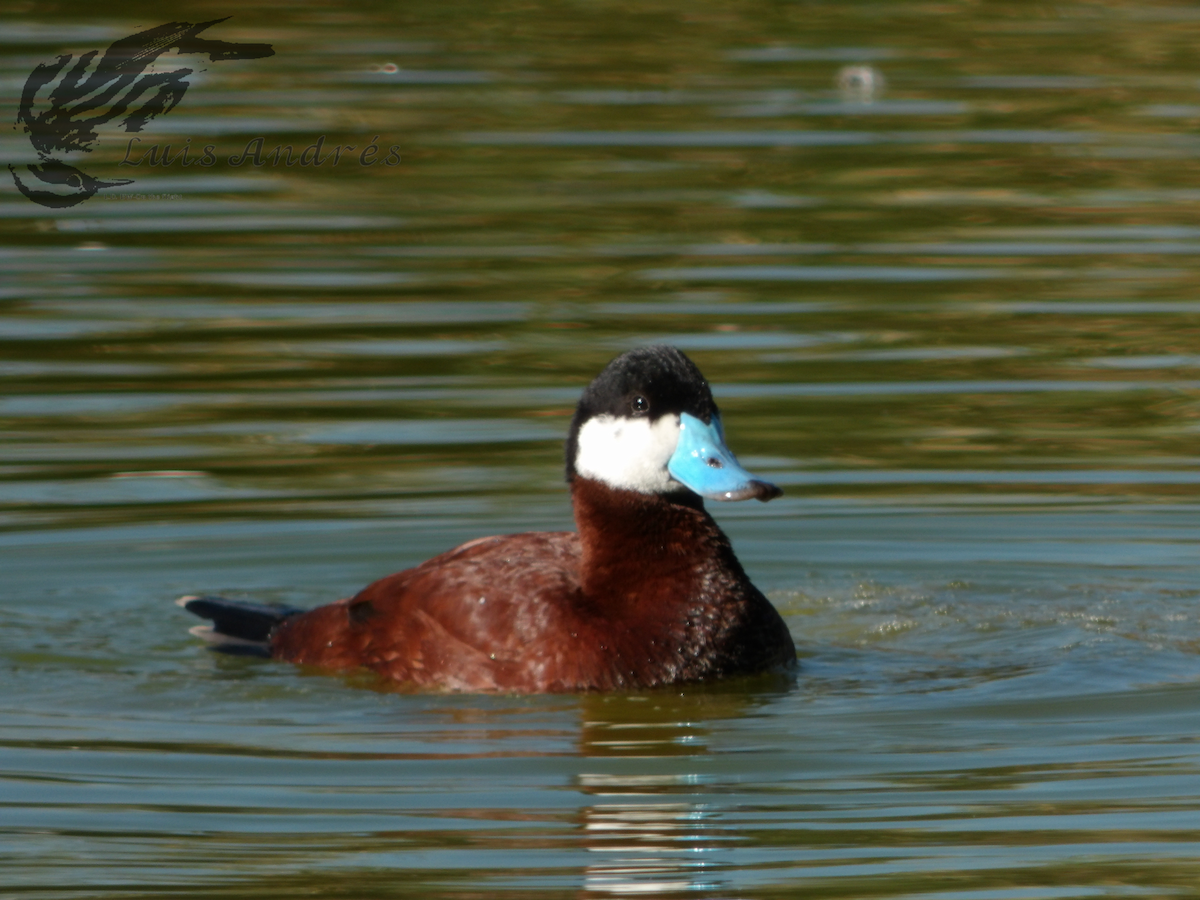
[(645, 845), (653, 848), (650, 834)]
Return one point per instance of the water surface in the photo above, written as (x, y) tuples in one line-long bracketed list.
[(947, 300)]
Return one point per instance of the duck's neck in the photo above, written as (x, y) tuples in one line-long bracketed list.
[(631, 540)]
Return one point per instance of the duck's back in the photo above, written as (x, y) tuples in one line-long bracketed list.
[(492, 614)]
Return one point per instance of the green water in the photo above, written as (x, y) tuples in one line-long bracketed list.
[(954, 312)]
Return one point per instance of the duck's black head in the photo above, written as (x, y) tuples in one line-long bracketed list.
[(648, 423)]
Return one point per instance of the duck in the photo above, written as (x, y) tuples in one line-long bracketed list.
[(646, 593)]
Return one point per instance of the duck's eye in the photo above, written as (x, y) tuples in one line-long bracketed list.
[(639, 405)]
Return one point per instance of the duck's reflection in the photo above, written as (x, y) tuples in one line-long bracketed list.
[(653, 828), (648, 848)]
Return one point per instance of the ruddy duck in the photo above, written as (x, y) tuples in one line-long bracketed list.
[(648, 592)]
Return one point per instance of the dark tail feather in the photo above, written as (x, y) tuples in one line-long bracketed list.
[(243, 629)]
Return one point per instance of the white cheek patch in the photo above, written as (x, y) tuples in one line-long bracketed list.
[(629, 453)]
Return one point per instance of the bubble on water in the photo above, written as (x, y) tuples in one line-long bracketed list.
[(861, 83)]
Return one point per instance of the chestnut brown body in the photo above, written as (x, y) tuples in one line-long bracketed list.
[(648, 592)]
